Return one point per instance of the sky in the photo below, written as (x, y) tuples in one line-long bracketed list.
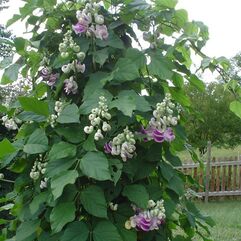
[(222, 17)]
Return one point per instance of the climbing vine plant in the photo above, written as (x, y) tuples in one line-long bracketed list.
[(94, 142)]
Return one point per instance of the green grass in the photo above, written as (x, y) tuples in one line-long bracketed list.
[(227, 216), (216, 152)]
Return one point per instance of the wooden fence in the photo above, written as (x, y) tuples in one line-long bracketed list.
[(219, 177)]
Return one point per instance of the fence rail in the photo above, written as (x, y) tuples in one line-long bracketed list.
[(223, 176)]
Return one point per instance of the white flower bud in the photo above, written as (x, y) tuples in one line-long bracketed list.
[(64, 55), (88, 129), (66, 68), (99, 19), (81, 56), (107, 116), (92, 117), (76, 48), (1, 176), (106, 127), (128, 224)]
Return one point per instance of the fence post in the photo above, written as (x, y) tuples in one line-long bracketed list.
[(207, 178)]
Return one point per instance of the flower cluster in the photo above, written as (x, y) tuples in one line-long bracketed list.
[(38, 170), (58, 109), (123, 145), (11, 123), (90, 22), (99, 118), (68, 46), (159, 128), (148, 219), (49, 77)]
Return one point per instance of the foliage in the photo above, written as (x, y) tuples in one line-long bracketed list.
[(213, 121), (91, 151)]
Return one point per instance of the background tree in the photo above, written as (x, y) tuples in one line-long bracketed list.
[(3, 4), (6, 37), (213, 120)]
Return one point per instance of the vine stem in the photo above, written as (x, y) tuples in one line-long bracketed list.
[(6, 180)]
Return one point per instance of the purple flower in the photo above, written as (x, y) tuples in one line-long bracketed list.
[(158, 136), (80, 28), (45, 73), (108, 147), (169, 135), (101, 32), (52, 79), (70, 86), (148, 132), (145, 222)]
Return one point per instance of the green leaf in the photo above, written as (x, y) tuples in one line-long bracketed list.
[(180, 96), (62, 150), (138, 194), (10, 74), (181, 17), (112, 41), (14, 19), (196, 82), (60, 181), (128, 100), (97, 81), (34, 105), (76, 231), (30, 116), (167, 3), (89, 144), (74, 133), (176, 184), (56, 166), (70, 114), (6, 148), (235, 107), (138, 5), (91, 101), (62, 214), (3, 109), (20, 45), (101, 56), (37, 142), (126, 70), (136, 56), (127, 235), (104, 231), (37, 201), (95, 165), (160, 66), (126, 104), (27, 231), (93, 200), (116, 169)]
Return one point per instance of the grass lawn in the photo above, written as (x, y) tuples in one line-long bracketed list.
[(227, 215), (216, 152)]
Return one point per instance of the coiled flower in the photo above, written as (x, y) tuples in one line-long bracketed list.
[(122, 145), (165, 116), (149, 219)]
